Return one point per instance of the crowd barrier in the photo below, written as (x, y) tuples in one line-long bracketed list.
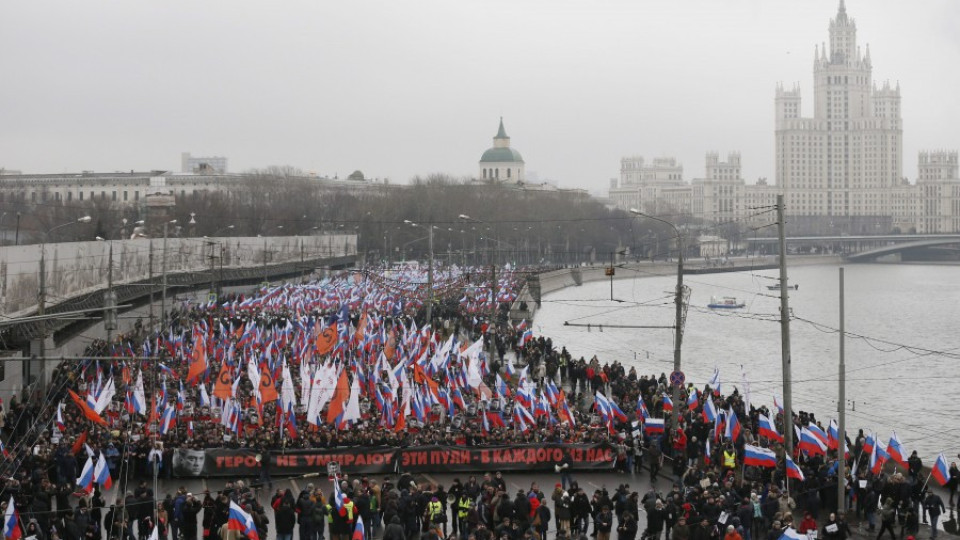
[(220, 462)]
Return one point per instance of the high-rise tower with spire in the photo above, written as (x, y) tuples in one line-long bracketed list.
[(841, 161)]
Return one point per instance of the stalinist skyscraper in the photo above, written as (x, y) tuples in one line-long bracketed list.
[(847, 159)]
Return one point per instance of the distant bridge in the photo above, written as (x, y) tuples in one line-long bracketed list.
[(900, 248), (860, 248)]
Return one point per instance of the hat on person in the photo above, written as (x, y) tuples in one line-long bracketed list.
[(559, 485)]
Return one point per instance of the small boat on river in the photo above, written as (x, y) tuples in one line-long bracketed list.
[(725, 302)]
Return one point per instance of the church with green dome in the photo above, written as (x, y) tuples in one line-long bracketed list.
[(501, 163)]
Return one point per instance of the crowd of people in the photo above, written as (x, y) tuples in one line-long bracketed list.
[(365, 332)]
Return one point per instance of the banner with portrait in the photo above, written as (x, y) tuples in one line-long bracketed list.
[(219, 462)]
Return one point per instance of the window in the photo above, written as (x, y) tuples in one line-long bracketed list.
[(113, 196), (80, 195), (124, 195), (70, 196), (136, 195)]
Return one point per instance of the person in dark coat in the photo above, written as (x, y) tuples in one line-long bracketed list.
[(627, 529), (394, 530), (286, 519)]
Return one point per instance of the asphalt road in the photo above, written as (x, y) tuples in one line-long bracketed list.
[(590, 481)]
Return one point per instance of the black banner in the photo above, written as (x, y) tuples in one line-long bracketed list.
[(526, 457), (245, 463), (220, 462)]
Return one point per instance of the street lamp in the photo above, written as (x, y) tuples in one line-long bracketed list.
[(42, 295), (494, 289), (429, 314), (163, 270), (678, 330)]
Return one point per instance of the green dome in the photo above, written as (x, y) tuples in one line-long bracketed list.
[(501, 155)]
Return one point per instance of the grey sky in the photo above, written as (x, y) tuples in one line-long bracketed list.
[(416, 87)]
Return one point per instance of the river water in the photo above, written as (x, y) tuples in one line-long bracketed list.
[(910, 389)]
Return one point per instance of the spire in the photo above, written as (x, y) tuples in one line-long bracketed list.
[(842, 12), (501, 133)]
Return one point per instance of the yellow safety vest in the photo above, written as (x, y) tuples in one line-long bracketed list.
[(729, 459), (329, 514), (464, 508), (435, 509)]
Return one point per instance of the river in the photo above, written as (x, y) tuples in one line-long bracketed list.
[(889, 386)]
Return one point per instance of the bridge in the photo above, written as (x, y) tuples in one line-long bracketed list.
[(860, 248), (74, 275), (900, 248)]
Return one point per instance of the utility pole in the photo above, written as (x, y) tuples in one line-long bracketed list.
[(150, 281), (430, 276), (610, 273), (110, 302), (264, 260), (493, 312), (678, 335), (163, 271), (785, 332), (302, 263), (212, 256), (41, 310), (842, 402)]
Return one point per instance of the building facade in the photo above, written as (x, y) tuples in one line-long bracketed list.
[(839, 170)]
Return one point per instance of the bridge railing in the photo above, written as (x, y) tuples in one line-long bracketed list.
[(76, 267)]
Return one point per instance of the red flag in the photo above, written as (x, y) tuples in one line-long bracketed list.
[(223, 388), (78, 446), (268, 390), (199, 363), (340, 396), (89, 413)]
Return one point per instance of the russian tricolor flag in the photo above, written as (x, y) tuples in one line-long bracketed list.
[(102, 473), (11, 522), (709, 411), (653, 426), (767, 429), (732, 430), (811, 444), (642, 411), (833, 435), (939, 471), (895, 450), (777, 404), (819, 434), (868, 444), (756, 456), (358, 531), (791, 534), (239, 520), (692, 401), (86, 476), (793, 471), (878, 457), (667, 403), (61, 426)]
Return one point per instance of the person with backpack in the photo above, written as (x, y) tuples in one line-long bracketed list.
[(888, 518)]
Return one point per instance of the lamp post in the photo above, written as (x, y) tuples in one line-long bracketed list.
[(42, 295), (429, 314), (493, 297), (163, 271), (678, 330)]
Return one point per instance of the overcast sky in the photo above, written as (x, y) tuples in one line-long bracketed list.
[(400, 88)]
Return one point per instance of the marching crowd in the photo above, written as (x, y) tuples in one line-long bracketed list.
[(713, 494)]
